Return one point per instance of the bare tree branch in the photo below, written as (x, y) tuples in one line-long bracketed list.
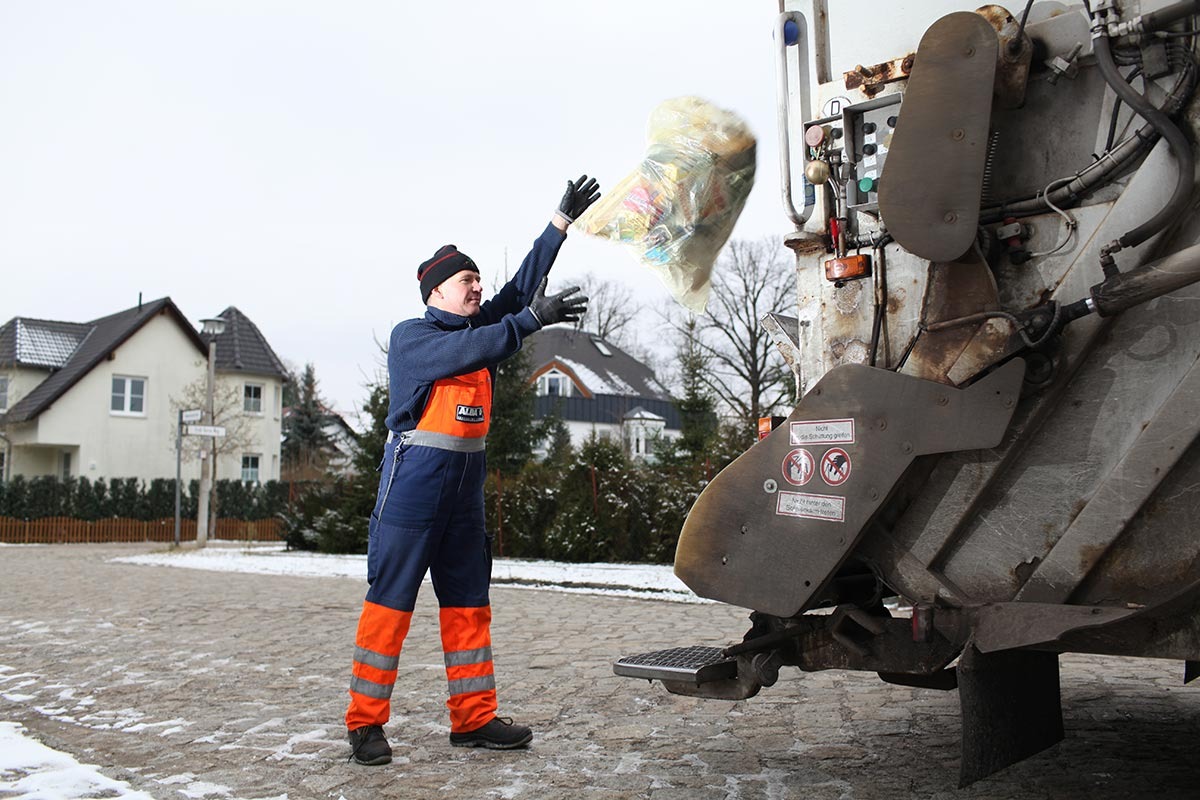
[(751, 279), (611, 309)]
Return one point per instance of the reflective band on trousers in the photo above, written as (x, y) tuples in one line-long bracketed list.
[(460, 657), (370, 688), (442, 441), (480, 684), (377, 660)]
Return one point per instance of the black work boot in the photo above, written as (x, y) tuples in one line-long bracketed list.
[(369, 746), (499, 734)]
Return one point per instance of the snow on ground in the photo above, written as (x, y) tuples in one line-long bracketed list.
[(656, 581), (29, 769)]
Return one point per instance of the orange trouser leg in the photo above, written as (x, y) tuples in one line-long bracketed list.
[(467, 643), (381, 632)]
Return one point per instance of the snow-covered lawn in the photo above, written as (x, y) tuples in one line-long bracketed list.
[(656, 581)]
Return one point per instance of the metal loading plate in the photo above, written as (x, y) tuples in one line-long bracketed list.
[(690, 664)]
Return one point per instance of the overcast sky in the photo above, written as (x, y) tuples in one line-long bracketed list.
[(299, 159)]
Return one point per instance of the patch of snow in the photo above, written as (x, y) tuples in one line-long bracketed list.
[(594, 383), (30, 769)]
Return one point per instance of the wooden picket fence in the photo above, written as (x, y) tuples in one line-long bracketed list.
[(65, 530)]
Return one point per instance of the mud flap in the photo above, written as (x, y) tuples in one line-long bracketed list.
[(1011, 708)]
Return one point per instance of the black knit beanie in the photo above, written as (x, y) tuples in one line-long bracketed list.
[(446, 263)]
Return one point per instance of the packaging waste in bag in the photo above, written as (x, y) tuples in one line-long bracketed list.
[(677, 209)]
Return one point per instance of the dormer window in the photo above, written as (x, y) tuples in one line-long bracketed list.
[(553, 384)]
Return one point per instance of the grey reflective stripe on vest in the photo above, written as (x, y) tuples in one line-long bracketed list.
[(442, 441), (377, 660), (464, 685), (460, 657), (370, 688)]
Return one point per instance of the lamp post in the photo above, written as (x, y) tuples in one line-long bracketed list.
[(212, 328)]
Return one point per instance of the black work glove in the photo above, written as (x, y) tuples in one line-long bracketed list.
[(579, 195), (557, 307)]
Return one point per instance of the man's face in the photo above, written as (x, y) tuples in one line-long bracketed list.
[(459, 294)]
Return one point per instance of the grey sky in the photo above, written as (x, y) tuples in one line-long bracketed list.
[(299, 159)]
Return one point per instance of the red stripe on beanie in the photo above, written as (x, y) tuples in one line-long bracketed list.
[(421, 275)]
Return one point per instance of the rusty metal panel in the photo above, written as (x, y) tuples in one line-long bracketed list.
[(774, 525), (1012, 57), (1120, 496), (985, 519), (872, 79), (929, 193), (957, 289)]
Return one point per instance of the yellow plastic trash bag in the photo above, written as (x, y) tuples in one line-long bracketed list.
[(677, 209)]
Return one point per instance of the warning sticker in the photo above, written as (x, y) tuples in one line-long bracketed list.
[(811, 506), (822, 431), (798, 467), (835, 466)]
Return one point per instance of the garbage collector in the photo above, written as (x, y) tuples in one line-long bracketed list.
[(429, 512)]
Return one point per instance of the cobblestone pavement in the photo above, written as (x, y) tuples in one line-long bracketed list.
[(204, 684)]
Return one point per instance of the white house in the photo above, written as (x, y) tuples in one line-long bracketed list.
[(100, 399), (599, 389)]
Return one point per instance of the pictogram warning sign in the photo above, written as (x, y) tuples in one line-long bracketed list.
[(798, 467), (835, 466)]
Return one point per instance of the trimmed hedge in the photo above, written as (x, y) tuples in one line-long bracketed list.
[(134, 498)]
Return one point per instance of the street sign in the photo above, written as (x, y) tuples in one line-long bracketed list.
[(192, 416), (205, 430)]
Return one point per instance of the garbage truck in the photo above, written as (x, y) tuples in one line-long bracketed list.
[(995, 341)]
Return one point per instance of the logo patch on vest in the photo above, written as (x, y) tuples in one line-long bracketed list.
[(469, 414)]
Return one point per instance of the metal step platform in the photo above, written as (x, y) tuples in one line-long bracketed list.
[(688, 664)]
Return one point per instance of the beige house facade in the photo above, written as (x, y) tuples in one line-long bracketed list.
[(101, 399)]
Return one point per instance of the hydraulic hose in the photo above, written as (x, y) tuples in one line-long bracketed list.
[(1184, 159), (1103, 171)]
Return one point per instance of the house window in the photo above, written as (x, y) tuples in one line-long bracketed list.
[(278, 401), (3, 392), (602, 347), (66, 465), (252, 398), (250, 469), (554, 384), (3, 464), (128, 396)]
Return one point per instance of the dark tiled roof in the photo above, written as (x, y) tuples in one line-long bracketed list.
[(103, 336), (617, 374), (605, 409), (241, 347), (40, 342)]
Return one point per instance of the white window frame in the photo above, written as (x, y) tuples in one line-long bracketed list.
[(3, 396), (127, 396), (64, 463), (257, 467), (246, 398), (560, 379)]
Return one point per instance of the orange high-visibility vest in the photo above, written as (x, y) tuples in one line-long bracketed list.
[(459, 406)]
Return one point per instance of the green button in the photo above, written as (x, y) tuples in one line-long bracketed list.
[(867, 185)]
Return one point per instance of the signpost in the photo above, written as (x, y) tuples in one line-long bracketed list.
[(189, 416)]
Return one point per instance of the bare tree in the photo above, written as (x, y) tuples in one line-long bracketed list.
[(611, 310), (228, 412), (752, 278)]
